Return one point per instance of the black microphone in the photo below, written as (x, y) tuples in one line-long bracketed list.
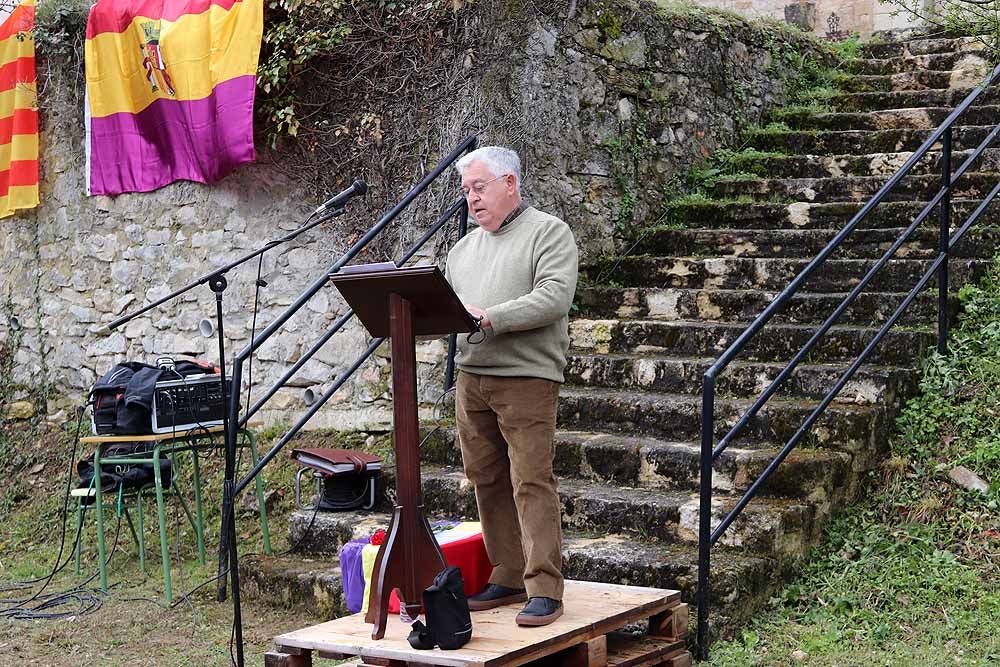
[(359, 187)]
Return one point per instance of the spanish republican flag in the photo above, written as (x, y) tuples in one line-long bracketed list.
[(18, 112), (170, 91)]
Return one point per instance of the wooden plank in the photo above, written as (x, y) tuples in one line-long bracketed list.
[(597, 652), (591, 653), (281, 659), (156, 437), (592, 610), (332, 655), (672, 623), (625, 651), (291, 650), (682, 660)]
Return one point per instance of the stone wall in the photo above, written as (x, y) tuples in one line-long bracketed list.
[(831, 18), (605, 106)]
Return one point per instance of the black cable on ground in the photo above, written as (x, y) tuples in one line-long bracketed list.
[(57, 567), (87, 600)]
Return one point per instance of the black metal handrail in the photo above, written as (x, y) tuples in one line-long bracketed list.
[(710, 451)]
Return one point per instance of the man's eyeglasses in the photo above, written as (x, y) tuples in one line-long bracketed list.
[(480, 187)]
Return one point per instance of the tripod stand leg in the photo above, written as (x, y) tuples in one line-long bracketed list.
[(382, 575)]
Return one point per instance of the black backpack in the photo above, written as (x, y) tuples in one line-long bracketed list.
[(449, 624)]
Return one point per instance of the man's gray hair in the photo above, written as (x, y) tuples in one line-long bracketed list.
[(498, 159)]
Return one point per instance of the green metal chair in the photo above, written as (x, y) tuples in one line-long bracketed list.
[(164, 445), (86, 499)]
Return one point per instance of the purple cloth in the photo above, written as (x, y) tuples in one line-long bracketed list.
[(197, 140), (352, 574)]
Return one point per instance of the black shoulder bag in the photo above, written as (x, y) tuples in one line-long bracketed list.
[(449, 624)]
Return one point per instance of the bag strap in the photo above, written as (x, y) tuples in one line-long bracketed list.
[(421, 637)]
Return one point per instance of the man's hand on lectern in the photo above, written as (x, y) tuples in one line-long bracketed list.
[(479, 314)]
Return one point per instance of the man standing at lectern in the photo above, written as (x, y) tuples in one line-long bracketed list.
[(516, 274)]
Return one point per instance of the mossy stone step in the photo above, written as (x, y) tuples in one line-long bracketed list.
[(642, 461), (725, 214), (918, 47), (900, 347), (906, 99), (309, 584), (870, 384), (774, 274), (852, 188), (931, 61), (863, 142), (784, 527), (722, 305), (843, 427), (656, 463), (912, 80), (876, 164), (926, 118), (978, 242)]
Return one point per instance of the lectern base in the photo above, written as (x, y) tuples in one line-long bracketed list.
[(408, 560)]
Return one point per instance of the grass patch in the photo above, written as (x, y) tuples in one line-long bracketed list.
[(910, 575), (132, 627)]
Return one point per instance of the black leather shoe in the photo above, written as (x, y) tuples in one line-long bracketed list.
[(495, 595), (540, 611)]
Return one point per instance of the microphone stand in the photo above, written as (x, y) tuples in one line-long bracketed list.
[(217, 282)]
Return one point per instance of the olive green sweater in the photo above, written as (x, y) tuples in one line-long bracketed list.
[(524, 275)]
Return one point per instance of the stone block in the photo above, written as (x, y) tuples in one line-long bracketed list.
[(802, 15), (19, 410), (968, 480)]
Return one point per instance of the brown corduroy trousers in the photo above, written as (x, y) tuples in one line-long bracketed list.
[(505, 429)]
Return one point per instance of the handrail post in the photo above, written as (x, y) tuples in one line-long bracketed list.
[(945, 233), (705, 510), (449, 372)]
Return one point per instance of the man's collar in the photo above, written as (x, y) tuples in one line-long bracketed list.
[(521, 208)]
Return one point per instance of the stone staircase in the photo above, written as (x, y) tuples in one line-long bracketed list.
[(629, 417)]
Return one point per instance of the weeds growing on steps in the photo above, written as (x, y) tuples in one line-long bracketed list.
[(910, 576)]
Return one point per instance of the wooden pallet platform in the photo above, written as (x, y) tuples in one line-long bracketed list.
[(578, 639)]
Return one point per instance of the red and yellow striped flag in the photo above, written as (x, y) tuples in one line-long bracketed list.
[(18, 112)]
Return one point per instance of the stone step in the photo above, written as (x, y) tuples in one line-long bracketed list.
[(773, 274), (784, 527), (843, 427), (723, 214), (920, 47), (861, 244), (649, 462), (907, 99), (638, 461), (719, 305), (952, 60), (927, 118), (860, 142), (836, 166), (308, 584), (851, 188), (661, 373), (741, 582), (913, 80), (779, 343)]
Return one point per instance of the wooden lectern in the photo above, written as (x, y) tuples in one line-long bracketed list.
[(404, 303)]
